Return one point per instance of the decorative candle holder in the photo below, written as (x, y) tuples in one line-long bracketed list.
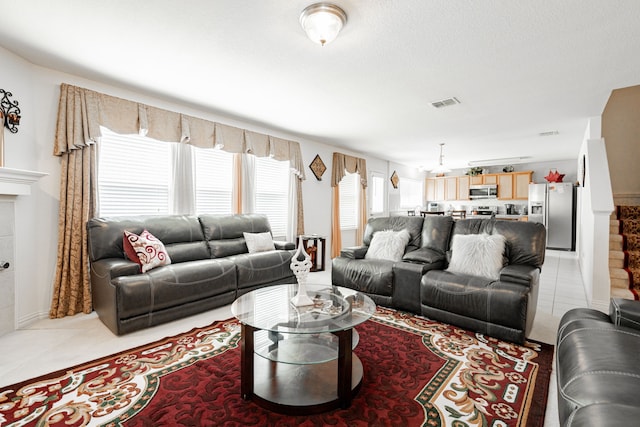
[(301, 270)]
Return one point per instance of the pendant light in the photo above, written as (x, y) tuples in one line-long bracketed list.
[(322, 22), (441, 169)]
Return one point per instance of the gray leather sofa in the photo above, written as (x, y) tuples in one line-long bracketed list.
[(597, 366), (503, 308), (210, 267)]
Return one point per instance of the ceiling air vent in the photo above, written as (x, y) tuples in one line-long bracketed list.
[(549, 133), (445, 102)]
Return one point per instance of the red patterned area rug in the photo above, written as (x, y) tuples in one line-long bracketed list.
[(417, 372)]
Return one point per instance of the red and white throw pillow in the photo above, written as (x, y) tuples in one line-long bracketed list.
[(145, 250)]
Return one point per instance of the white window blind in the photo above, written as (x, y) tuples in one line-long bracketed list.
[(410, 193), (349, 201), (133, 175), (214, 181), (272, 193)]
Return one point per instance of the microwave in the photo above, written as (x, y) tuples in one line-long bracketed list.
[(488, 191)]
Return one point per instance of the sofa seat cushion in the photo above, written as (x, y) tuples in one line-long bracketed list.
[(597, 362), (173, 285), (491, 301), (371, 276), (435, 259), (262, 267)]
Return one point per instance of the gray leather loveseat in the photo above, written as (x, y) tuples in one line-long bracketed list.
[(210, 267), (597, 366), (503, 307)]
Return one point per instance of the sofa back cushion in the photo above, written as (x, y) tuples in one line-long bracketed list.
[(412, 224), (224, 233), (436, 232), (526, 241), (181, 235)]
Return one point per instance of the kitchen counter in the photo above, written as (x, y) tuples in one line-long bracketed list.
[(501, 216), (513, 217)]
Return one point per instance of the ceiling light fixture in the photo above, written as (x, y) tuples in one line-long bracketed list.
[(322, 22), (441, 169)]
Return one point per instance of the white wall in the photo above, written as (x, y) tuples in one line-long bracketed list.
[(37, 90), (394, 193), (595, 204)]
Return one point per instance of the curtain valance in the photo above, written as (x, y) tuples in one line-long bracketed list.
[(94, 109), (343, 163)]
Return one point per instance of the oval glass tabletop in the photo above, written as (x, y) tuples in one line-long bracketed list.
[(333, 309)]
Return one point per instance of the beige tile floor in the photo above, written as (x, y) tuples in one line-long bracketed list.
[(51, 344)]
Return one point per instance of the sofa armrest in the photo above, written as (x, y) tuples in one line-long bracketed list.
[(110, 268), (625, 312), (354, 252), (519, 273), (426, 256), (282, 245), (406, 285)]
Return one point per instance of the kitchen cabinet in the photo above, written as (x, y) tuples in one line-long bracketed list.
[(514, 185), (430, 189), (451, 188), (521, 181), (463, 187), (440, 189), (511, 186), (505, 186), (476, 180), (436, 189), (490, 178)]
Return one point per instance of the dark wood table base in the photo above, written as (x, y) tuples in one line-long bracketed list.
[(303, 389)]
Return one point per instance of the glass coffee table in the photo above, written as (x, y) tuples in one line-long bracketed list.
[(299, 360)]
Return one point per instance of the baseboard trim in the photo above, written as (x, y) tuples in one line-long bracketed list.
[(25, 321)]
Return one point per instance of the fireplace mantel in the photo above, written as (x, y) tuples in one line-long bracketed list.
[(17, 182)]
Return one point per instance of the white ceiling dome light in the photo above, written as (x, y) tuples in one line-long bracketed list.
[(322, 22)]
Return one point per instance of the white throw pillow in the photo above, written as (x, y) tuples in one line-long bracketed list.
[(388, 244), (477, 255), (259, 242)]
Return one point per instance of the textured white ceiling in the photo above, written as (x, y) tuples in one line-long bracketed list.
[(518, 67)]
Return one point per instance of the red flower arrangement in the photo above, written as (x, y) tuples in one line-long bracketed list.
[(554, 176)]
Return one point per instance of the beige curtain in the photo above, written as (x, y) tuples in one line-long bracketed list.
[(75, 145), (81, 112), (237, 184), (340, 166)]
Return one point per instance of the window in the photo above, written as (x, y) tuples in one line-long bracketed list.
[(214, 181), (377, 193), (272, 193), (139, 175), (133, 175), (349, 201), (410, 193)]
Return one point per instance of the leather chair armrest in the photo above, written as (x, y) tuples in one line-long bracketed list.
[(625, 312), (354, 252), (426, 256), (518, 273), (284, 245)]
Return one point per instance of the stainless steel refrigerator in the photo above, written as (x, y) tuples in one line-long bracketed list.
[(553, 205)]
